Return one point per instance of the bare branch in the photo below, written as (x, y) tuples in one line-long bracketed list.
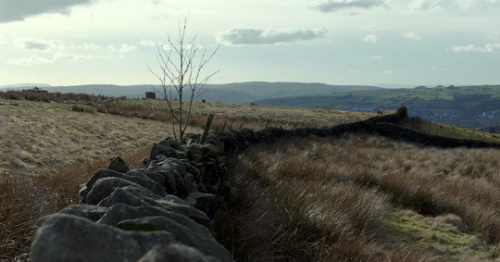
[(178, 70)]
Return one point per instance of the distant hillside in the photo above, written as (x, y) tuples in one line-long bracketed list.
[(265, 90), (24, 85), (466, 106), (233, 93)]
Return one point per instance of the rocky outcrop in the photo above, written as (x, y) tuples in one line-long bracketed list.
[(165, 212)]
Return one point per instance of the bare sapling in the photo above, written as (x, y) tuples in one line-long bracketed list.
[(181, 63)]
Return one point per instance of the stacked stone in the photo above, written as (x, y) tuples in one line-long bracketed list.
[(163, 212), (387, 126)]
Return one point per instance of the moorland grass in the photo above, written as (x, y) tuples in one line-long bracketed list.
[(26, 200), (299, 200), (322, 199)]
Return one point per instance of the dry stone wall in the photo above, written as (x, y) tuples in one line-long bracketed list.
[(387, 126), (165, 212)]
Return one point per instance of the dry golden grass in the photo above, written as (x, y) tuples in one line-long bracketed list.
[(320, 199), (36, 135), (257, 116)]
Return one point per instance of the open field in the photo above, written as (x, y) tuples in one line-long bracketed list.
[(54, 147), (288, 117), (39, 135), (364, 198)]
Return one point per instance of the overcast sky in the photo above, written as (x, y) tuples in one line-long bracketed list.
[(72, 42)]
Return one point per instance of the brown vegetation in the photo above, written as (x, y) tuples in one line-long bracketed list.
[(314, 199), (26, 200), (329, 200), (57, 97)]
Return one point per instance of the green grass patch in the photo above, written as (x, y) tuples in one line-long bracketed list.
[(437, 235)]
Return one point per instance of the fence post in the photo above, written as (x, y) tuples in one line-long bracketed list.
[(231, 125), (224, 126), (241, 126), (207, 128)]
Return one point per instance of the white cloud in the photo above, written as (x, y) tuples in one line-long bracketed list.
[(91, 46), (147, 43), (41, 45), (353, 71), (111, 48), (387, 72), (335, 5), (412, 35), (127, 48), (3, 40), (33, 60), (267, 37), (376, 57), (468, 48), (472, 48), (494, 36), (372, 28), (492, 47), (59, 56), (18, 10), (72, 57), (435, 68), (371, 38), (430, 5)]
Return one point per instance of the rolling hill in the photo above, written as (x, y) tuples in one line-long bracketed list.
[(466, 106), (233, 93)]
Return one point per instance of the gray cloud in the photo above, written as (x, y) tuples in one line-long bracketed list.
[(332, 6), (267, 37), (35, 44), (18, 10)]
